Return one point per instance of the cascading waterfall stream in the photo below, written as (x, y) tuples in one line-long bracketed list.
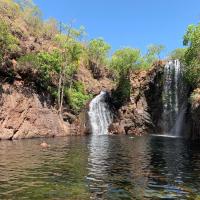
[(174, 99), (100, 114)]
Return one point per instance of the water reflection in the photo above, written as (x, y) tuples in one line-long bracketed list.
[(118, 167), (142, 168), (100, 167), (29, 172), (169, 157)]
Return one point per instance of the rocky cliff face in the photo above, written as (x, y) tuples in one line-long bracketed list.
[(93, 86), (195, 114), (142, 112), (26, 114)]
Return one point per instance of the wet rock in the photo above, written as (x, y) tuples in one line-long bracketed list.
[(116, 128), (44, 145), (194, 115)]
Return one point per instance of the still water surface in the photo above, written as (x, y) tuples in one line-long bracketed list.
[(101, 167)]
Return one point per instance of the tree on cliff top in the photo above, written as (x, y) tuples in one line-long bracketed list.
[(152, 55), (154, 50), (25, 4), (124, 60), (122, 63), (177, 54), (192, 55), (98, 51), (97, 55)]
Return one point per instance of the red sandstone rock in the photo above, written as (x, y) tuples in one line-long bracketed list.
[(134, 114), (44, 145), (24, 115)]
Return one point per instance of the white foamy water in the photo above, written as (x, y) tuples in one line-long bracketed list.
[(165, 135), (100, 115), (174, 99)]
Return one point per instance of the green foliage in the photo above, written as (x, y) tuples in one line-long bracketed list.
[(24, 4), (192, 72), (122, 63), (192, 55), (56, 69), (77, 96), (49, 62), (45, 62), (48, 65), (124, 60), (154, 51), (70, 49), (122, 94), (28, 61), (152, 55), (178, 53), (98, 50), (50, 28), (8, 42), (9, 8), (191, 35), (33, 18)]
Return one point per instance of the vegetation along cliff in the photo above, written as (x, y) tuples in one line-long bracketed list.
[(49, 72)]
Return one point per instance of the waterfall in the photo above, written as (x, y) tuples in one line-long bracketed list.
[(100, 114), (174, 99)]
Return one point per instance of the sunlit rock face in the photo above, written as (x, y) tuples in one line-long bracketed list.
[(141, 114), (158, 104), (26, 114), (195, 114)]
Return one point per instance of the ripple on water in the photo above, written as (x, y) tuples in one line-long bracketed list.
[(102, 167)]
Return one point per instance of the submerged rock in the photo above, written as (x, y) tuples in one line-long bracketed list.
[(44, 145)]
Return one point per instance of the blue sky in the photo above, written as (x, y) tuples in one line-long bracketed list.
[(133, 23)]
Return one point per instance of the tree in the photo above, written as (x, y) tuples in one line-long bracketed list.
[(24, 4), (9, 9), (154, 51), (98, 51), (177, 54), (192, 54), (153, 54), (8, 42), (33, 17), (71, 50), (50, 28), (124, 60)]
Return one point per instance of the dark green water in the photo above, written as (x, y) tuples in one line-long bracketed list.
[(103, 167)]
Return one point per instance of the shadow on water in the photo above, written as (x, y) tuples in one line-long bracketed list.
[(100, 167)]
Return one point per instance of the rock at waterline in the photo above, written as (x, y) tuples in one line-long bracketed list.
[(44, 145)]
